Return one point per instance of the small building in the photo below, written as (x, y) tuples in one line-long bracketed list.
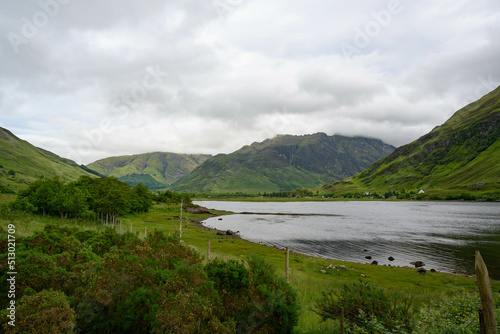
[(421, 191)]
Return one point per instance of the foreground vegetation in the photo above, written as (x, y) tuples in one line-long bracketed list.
[(103, 279), (104, 282), (65, 268)]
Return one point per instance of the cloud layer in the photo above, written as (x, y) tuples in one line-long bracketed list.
[(89, 79)]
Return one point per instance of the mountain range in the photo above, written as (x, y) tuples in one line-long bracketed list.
[(21, 163), (460, 156), (284, 163), (156, 170)]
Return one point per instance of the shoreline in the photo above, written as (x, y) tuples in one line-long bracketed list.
[(236, 235), (314, 199)]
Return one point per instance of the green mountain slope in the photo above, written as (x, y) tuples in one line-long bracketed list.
[(21, 163), (156, 170), (285, 163), (462, 155)]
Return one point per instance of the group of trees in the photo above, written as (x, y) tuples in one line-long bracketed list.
[(299, 192), (74, 281), (172, 197), (100, 198)]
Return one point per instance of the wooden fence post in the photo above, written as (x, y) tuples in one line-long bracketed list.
[(287, 267), (145, 231), (482, 329), (208, 251), (130, 227), (341, 320), (483, 283)]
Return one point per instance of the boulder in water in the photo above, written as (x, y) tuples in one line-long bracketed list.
[(418, 264)]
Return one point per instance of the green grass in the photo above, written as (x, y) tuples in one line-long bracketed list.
[(29, 162), (305, 275)]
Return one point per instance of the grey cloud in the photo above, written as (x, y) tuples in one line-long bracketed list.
[(344, 89), (259, 69)]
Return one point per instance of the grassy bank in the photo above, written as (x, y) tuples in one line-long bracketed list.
[(305, 276)]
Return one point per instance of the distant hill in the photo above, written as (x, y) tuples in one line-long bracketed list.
[(460, 156), (285, 162), (21, 163), (156, 170)]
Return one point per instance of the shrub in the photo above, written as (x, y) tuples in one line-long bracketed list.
[(275, 307), (367, 307), (4, 190), (38, 271), (45, 312), (103, 282), (458, 315), (229, 277), (156, 285)]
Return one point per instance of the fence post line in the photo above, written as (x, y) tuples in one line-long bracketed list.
[(483, 283), (287, 267)]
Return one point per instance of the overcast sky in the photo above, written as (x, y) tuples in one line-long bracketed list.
[(89, 79)]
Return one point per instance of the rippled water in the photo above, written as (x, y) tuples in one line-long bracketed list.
[(443, 235)]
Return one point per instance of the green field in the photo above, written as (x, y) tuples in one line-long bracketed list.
[(305, 274)]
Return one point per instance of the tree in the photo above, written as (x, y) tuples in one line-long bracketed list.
[(142, 198), (43, 194), (77, 201)]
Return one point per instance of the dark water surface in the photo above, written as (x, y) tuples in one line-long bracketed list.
[(444, 235)]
